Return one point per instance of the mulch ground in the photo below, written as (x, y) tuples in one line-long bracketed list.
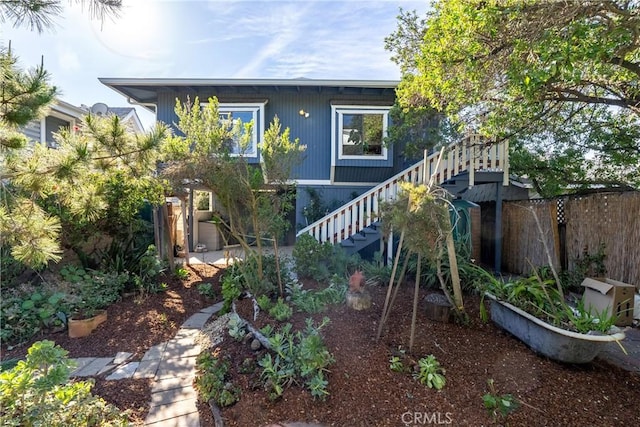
[(363, 390)]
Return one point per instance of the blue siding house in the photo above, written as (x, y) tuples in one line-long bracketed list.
[(342, 123), (321, 113)]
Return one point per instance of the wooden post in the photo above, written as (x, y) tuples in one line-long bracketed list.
[(156, 231), (416, 290), (167, 236), (185, 231), (497, 266), (190, 241), (393, 274), (453, 267)]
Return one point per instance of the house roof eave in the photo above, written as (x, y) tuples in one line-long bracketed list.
[(145, 90)]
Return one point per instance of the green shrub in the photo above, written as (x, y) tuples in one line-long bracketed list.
[(375, 271), (499, 406), (236, 327), (207, 290), (27, 310), (212, 380), (37, 392), (94, 291), (280, 311), (300, 358), (181, 273), (231, 288), (149, 268), (395, 364), (311, 257), (264, 302), (430, 373), (10, 268), (202, 200), (314, 301)]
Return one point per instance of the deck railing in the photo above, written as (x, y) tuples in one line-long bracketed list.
[(471, 154)]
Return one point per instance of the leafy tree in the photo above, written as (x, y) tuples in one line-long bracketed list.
[(40, 14), (558, 79), (416, 129), (255, 199)]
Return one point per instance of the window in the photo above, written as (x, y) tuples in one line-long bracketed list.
[(237, 116), (53, 124), (360, 132)]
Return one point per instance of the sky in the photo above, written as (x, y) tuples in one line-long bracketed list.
[(211, 39)]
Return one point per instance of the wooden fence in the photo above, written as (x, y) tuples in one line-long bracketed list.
[(570, 226)]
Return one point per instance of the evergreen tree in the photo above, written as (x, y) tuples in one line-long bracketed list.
[(40, 14), (30, 177)]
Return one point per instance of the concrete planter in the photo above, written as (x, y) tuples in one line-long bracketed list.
[(548, 340)]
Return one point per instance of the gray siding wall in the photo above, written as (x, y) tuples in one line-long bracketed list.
[(32, 130)]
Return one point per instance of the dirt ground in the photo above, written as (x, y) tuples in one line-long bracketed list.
[(363, 390)]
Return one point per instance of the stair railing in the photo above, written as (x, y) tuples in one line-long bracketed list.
[(470, 154)]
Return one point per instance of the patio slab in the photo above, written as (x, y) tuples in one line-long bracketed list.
[(173, 395), (165, 413), (146, 369), (155, 352), (178, 367), (196, 321), (94, 367), (171, 383), (124, 371), (187, 420), (213, 309), (183, 347)]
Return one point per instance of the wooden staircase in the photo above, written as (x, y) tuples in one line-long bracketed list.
[(472, 160)]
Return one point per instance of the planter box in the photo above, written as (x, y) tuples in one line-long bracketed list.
[(79, 328), (548, 340)]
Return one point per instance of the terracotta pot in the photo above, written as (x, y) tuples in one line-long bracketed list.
[(79, 328)]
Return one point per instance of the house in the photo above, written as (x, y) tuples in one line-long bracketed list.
[(342, 123), (64, 115)]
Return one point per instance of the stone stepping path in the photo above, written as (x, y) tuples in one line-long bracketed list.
[(171, 364)]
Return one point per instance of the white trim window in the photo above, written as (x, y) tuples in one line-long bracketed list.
[(359, 131), (53, 123), (239, 115)]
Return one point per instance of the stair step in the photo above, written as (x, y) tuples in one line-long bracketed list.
[(358, 236), (370, 230), (347, 243)]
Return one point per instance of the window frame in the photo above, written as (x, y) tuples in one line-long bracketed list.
[(257, 108), (44, 131), (337, 125)]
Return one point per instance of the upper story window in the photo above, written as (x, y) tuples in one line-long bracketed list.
[(236, 116), (54, 123), (360, 131)]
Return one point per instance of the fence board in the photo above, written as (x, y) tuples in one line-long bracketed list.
[(612, 219), (522, 242)]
